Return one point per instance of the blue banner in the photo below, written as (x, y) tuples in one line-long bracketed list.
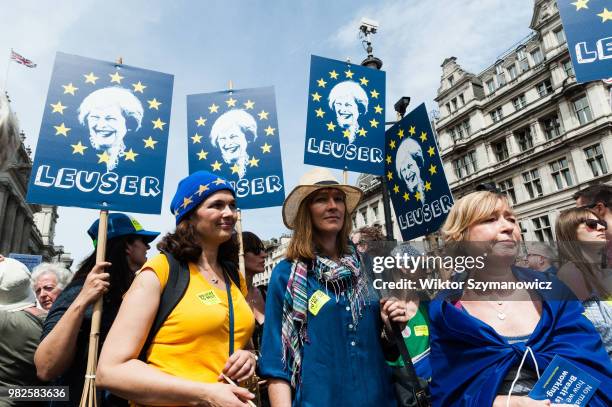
[(588, 29), (345, 124), (235, 134), (30, 260), (415, 176), (103, 137)]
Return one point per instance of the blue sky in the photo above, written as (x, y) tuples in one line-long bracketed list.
[(253, 43)]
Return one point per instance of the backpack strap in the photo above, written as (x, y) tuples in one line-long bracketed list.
[(231, 269), (173, 292)]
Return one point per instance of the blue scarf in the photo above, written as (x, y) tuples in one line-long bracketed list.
[(469, 359)]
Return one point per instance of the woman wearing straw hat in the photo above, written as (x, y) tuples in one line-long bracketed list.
[(321, 343), (193, 349)]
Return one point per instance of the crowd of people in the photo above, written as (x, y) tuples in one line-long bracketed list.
[(189, 327)]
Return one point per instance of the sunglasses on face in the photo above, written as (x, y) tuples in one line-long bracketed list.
[(593, 223), (256, 250)]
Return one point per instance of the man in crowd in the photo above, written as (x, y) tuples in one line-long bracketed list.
[(540, 257)]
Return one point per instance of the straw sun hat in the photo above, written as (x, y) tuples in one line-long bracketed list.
[(318, 178)]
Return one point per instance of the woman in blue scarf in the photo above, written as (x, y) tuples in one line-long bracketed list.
[(322, 337), (480, 339)]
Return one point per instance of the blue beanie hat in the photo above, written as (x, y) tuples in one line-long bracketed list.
[(194, 189)]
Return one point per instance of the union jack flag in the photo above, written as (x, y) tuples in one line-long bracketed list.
[(20, 59)]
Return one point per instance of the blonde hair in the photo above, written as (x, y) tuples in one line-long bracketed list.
[(468, 211), (302, 245)]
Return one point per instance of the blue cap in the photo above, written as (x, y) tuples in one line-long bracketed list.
[(120, 224), (194, 189)]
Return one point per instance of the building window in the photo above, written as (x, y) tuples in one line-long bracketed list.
[(507, 187), (466, 127), (552, 127), (451, 80), (491, 86), (544, 87), (448, 108), (512, 72), (533, 185), (560, 172), (568, 67), (536, 55), (524, 139), (465, 165), (523, 229), (496, 115), (501, 150), (522, 57), (454, 103), (595, 159), (375, 212), (560, 36), (542, 229), (582, 109), (364, 216), (519, 102), (461, 100)]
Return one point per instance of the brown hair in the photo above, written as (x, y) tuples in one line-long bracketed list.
[(371, 233), (251, 242), (303, 241), (570, 251)]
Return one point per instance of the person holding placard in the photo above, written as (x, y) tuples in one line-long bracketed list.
[(322, 337), (201, 339)]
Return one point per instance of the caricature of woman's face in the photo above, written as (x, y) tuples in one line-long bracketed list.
[(232, 143), (107, 126)]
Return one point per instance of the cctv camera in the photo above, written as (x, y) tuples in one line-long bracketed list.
[(368, 26)]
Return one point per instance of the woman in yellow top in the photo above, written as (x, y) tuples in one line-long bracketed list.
[(192, 348)]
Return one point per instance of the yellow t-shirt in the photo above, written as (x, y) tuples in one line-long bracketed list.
[(193, 342)]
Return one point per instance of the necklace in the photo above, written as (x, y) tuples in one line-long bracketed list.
[(211, 276)]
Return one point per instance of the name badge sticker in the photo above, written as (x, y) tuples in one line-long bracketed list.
[(317, 301), (209, 298), (421, 330)]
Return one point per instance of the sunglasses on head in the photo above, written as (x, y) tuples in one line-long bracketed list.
[(592, 223)]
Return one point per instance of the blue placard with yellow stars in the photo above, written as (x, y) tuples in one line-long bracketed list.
[(415, 176), (345, 124), (103, 137), (588, 29), (235, 134)]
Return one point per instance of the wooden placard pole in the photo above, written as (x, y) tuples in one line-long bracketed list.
[(240, 244), (345, 176)]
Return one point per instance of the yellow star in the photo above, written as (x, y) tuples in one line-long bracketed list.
[(331, 126), (319, 112), (432, 169), (254, 162), (139, 87), (249, 104), (202, 155), (91, 78), (349, 73), (219, 181), (389, 175), (58, 108), (213, 108), (269, 130), (362, 132), (266, 148), (231, 102), (427, 186), (378, 109), (202, 189), (400, 133), (216, 166), (605, 15), (321, 83), (103, 158), (374, 93), (78, 148), (364, 81), (333, 74), (263, 115), (346, 133), (235, 168), (196, 138), (200, 121), (186, 202), (316, 97), (373, 123), (131, 155), (396, 189), (431, 151), (412, 130), (392, 144), (158, 124), (69, 89), (153, 104), (115, 77), (423, 137), (406, 196), (62, 129), (149, 143), (418, 196), (389, 160), (580, 4)]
